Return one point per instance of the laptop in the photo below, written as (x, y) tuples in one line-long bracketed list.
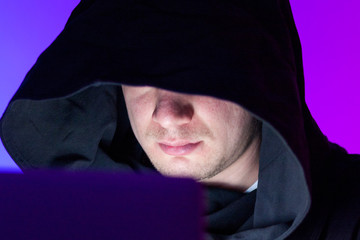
[(92, 205)]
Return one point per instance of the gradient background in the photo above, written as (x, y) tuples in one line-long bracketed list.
[(329, 31)]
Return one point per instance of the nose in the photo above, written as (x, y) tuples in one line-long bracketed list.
[(172, 110)]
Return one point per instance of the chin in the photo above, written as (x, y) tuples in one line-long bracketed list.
[(181, 173), (183, 167)]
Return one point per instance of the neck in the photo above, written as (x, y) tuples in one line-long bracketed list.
[(242, 173)]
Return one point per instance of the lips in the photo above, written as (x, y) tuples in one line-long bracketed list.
[(178, 149)]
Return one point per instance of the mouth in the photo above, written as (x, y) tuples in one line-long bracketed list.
[(179, 149)]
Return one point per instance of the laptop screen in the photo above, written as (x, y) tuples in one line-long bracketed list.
[(79, 205)]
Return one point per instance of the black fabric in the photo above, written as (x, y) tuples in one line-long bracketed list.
[(69, 111), (229, 211)]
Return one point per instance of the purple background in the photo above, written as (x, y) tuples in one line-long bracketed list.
[(329, 31)]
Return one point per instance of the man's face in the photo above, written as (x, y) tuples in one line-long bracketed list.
[(188, 135)]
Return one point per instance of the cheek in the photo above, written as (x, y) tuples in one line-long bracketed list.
[(140, 114), (226, 120), (215, 114), (139, 102), (239, 122)]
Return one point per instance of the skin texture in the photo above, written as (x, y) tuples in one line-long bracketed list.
[(204, 138)]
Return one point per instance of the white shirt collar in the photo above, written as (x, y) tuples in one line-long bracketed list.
[(252, 188)]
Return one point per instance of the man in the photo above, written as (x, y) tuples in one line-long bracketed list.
[(208, 90), (210, 140)]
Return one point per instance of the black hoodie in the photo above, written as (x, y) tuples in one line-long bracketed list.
[(69, 111)]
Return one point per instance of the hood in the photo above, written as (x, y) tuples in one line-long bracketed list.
[(69, 111)]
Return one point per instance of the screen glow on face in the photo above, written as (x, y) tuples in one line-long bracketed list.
[(188, 135)]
